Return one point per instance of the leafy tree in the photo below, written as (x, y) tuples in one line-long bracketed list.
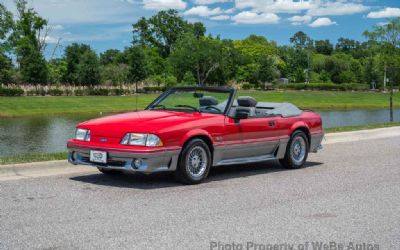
[(268, 70), (29, 43), (57, 69), (6, 25), (5, 69), (137, 64), (88, 68), (188, 79), (201, 55), (110, 56), (73, 57), (301, 41), (116, 74), (323, 47), (162, 30)]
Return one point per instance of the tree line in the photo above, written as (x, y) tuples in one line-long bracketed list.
[(168, 50)]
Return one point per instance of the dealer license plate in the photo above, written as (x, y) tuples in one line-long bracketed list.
[(98, 156)]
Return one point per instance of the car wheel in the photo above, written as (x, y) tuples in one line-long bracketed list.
[(296, 151), (194, 162), (109, 171)]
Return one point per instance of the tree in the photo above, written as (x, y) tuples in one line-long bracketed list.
[(301, 41), (323, 47), (137, 64), (388, 37), (28, 39), (268, 70), (73, 56), (110, 56), (57, 69), (201, 55), (303, 46), (162, 30), (6, 25), (88, 68), (116, 74)]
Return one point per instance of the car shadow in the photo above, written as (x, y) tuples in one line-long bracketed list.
[(166, 180)]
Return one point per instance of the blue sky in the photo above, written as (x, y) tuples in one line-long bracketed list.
[(106, 24)]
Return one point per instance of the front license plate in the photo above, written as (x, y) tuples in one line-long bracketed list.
[(98, 156)]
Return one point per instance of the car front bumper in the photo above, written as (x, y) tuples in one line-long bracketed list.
[(150, 160)]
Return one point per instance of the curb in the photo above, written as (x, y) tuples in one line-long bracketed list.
[(360, 135)]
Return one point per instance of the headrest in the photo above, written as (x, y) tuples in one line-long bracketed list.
[(246, 101), (208, 101)]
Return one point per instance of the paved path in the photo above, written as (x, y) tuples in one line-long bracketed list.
[(349, 192)]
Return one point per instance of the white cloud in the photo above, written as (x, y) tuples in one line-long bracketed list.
[(164, 4), (85, 12), (311, 7), (299, 20), (220, 18), (57, 27), (275, 6), (322, 21), (202, 2), (203, 11), (385, 13), (248, 17), (337, 8)]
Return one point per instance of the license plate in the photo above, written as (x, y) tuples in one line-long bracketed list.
[(98, 156)]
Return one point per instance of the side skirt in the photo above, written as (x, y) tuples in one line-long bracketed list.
[(246, 160)]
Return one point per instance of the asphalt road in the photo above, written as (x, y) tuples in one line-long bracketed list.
[(348, 194)]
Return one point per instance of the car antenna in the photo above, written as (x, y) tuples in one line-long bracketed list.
[(136, 96)]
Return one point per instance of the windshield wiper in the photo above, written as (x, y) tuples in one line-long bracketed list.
[(158, 106), (187, 106)]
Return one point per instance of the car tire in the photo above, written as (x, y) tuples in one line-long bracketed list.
[(109, 171), (194, 162), (296, 151)]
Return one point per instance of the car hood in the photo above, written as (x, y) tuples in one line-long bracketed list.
[(148, 121)]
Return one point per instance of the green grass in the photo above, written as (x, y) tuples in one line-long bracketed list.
[(4, 160), (362, 127), (320, 100)]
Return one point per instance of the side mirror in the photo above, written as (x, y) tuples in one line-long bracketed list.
[(241, 115)]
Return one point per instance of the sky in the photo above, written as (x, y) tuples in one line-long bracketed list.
[(106, 24)]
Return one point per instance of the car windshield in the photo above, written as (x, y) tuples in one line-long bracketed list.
[(198, 100)]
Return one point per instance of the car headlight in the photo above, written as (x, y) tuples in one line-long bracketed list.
[(136, 139), (82, 134)]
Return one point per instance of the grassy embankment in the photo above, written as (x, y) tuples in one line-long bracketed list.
[(319, 100), (63, 156)]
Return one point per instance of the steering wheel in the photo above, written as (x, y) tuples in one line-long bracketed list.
[(214, 108)]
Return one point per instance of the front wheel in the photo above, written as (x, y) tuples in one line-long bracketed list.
[(296, 151), (194, 163)]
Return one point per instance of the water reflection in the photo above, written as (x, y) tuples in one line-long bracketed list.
[(50, 133)]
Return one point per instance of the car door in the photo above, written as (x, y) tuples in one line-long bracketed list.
[(250, 137)]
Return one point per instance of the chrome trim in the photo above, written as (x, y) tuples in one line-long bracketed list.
[(246, 160), (153, 162)]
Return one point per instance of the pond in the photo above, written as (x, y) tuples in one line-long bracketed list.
[(49, 133)]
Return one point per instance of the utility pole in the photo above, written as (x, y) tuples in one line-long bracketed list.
[(384, 79), (391, 100)]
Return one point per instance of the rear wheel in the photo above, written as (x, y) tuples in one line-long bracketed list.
[(109, 171), (296, 151), (194, 162)]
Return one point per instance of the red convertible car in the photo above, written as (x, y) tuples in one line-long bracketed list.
[(188, 130)]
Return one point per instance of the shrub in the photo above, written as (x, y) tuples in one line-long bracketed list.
[(324, 86), (153, 89), (11, 91), (55, 92), (246, 86), (99, 92)]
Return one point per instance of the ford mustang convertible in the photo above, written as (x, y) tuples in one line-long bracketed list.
[(188, 130)]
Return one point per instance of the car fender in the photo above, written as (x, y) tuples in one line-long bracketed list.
[(194, 133), (297, 125)]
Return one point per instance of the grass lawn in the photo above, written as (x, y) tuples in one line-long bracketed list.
[(320, 100)]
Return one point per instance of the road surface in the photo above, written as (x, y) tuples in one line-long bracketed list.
[(348, 194)]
